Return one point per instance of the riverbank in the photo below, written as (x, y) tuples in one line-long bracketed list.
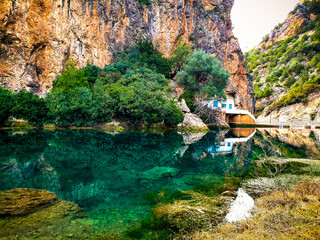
[(282, 214)]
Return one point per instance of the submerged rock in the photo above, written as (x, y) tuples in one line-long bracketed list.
[(157, 173), (191, 138), (22, 201), (32, 214)]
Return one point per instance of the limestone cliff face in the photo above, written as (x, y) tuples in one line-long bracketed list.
[(293, 23), (37, 37)]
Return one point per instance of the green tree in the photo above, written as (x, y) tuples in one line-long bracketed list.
[(179, 56), (140, 99), (80, 106), (70, 78), (30, 107), (6, 103), (204, 74), (144, 54)]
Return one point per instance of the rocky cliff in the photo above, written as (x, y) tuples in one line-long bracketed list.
[(285, 68), (38, 37)]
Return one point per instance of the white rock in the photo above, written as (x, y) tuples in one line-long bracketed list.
[(241, 207)]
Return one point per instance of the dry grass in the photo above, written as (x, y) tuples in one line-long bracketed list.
[(201, 212), (293, 214)]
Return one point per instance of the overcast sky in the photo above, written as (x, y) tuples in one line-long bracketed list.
[(253, 19)]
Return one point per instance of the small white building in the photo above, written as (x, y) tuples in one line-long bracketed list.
[(226, 105)]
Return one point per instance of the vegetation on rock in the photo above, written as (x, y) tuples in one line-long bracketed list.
[(291, 66), (134, 89)]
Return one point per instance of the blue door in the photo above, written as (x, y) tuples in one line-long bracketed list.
[(230, 106), (216, 104)]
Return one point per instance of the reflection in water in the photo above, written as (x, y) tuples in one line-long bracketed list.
[(102, 172), (91, 167), (226, 143)]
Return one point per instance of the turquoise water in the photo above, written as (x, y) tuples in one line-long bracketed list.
[(114, 176)]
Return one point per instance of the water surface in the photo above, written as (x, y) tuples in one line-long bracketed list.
[(112, 176)]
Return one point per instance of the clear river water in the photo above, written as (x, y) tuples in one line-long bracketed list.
[(114, 176)]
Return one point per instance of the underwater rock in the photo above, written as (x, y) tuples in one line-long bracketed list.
[(191, 138), (37, 214), (182, 150), (157, 173), (22, 201), (241, 207)]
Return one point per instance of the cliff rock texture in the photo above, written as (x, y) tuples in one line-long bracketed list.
[(37, 37), (295, 20), (285, 68)]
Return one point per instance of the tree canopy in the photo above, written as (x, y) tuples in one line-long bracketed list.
[(203, 74)]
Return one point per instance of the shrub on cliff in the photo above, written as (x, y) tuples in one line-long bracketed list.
[(6, 103), (70, 78), (143, 54), (179, 57), (204, 74)]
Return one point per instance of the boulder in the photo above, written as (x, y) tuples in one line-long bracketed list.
[(183, 106), (222, 124), (192, 122)]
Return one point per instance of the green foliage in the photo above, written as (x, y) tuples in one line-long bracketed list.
[(145, 2), (203, 74), (79, 107), (70, 78), (139, 98), (174, 115), (267, 92), (30, 107), (144, 54), (6, 103), (296, 67), (189, 97), (179, 56), (290, 81), (298, 94)]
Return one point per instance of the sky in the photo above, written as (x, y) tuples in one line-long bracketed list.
[(253, 19)]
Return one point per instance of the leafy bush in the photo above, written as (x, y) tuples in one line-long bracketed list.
[(145, 2), (290, 81), (6, 103), (189, 97), (70, 78), (144, 54), (30, 107), (79, 107), (140, 99), (267, 92)]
